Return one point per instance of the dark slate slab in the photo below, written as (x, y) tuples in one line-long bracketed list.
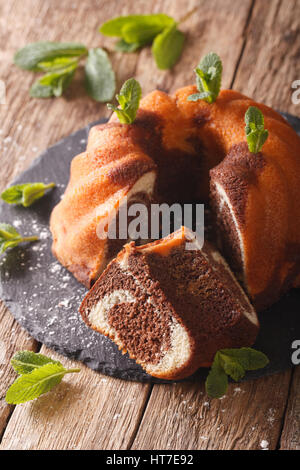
[(44, 297)]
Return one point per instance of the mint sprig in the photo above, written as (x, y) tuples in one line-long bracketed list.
[(39, 374), (10, 238), (129, 99), (60, 62), (255, 129), (136, 31), (233, 363), (208, 78), (25, 194)]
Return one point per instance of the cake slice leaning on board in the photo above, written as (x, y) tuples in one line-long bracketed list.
[(171, 306)]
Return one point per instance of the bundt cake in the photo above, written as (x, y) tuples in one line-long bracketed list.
[(183, 151), (169, 307)]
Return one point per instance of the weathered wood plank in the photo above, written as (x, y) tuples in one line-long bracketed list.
[(270, 61), (85, 411), (290, 438), (182, 417)]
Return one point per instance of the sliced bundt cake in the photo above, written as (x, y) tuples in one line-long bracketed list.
[(166, 155), (171, 308)]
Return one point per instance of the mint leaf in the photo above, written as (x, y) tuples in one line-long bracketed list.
[(30, 56), (39, 381), (58, 63), (217, 382), (100, 78), (26, 361), (167, 47), (10, 238), (53, 83), (129, 99), (199, 96), (249, 358), (231, 366), (146, 28), (208, 78), (233, 363), (255, 132), (114, 26), (25, 194), (41, 91), (123, 46), (137, 31), (139, 24), (8, 232)]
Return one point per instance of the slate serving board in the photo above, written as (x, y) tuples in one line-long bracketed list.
[(44, 297)]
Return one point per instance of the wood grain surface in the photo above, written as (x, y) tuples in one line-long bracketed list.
[(258, 41)]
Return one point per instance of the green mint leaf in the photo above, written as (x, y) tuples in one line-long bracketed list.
[(30, 386), (123, 46), (41, 91), (140, 23), (114, 26), (217, 382), (233, 363), (208, 78), (10, 238), (123, 117), (255, 132), (100, 78), (57, 63), (30, 56), (8, 232), (231, 366), (167, 47), (146, 29), (129, 99), (25, 194), (249, 358), (53, 83), (199, 96), (25, 362)]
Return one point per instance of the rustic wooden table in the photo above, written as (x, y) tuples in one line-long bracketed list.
[(258, 41)]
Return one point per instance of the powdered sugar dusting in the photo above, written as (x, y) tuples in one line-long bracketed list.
[(264, 445)]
